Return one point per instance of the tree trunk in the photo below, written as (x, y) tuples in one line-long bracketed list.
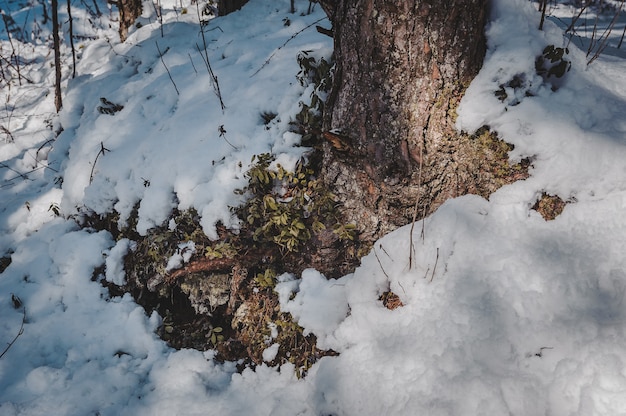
[(56, 44), (129, 10), (71, 35), (229, 6), (401, 69)]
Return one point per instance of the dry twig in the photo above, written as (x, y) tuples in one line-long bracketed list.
[(20, 332), (166, 68), (100, 152), (267, 61)]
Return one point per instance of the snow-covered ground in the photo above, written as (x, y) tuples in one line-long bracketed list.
[(504, 312)]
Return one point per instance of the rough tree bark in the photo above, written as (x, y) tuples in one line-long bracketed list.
[(58, 100), (129, 10), (229, 6), (401, 69)]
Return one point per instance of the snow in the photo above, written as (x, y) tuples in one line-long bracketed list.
[(503, 312), (114, 263), (182, 256), (319, 304), (270, 352)]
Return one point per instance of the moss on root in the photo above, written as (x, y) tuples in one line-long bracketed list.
[(549, 206)]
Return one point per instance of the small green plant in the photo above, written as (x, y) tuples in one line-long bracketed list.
[(318, 73), (304, 355), (519, 82), (267, 279), (551, 65), (108, 107), (345, 231), (313, 71), (167, 326), (215, 335), (54, 208), (268, 116), (285, 207), (220, 250), (552, 62)]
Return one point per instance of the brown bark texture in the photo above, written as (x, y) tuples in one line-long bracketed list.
[(58, 100), (129, 10), (228, 6), (401, 69)]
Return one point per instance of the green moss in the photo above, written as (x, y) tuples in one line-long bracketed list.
[(549, 206), (493, 156)]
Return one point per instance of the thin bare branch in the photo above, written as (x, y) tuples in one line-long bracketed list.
[(166, 68), (100, 152), (20, 332), (380, 264), (267, 61)]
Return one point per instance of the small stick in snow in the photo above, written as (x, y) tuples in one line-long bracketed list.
[(20, 174), (432, 276), (222, 132), (419, 184), (20, 332), (384, 251), (604, 38), (380, 264), (166, 68), (192, 65), (205, 58), (540, 353), (101, 152), (401, 287)]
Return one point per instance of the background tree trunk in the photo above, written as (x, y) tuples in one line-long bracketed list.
[(229, 6), (56, 44), (129, 10), (401, 69), (70, 21)]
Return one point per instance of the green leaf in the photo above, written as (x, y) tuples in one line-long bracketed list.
[(559, 69), (318, 226), (269, 202)]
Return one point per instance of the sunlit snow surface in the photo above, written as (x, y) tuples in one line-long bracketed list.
[(504, 313)]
